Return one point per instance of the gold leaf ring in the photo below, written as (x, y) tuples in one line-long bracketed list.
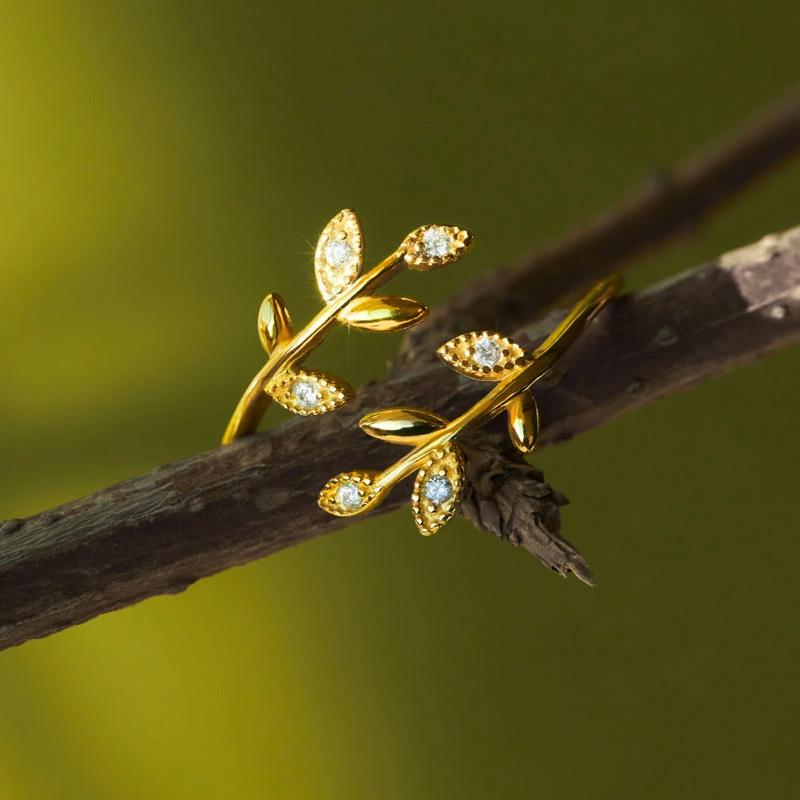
[(338, 260), (437, 459)]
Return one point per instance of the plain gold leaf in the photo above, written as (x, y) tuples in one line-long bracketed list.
[(274, 322), (523, 422), (407, 426), (383, 314)]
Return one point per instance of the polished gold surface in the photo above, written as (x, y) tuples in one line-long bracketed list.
[(384, 314), (338, 261), (524, 422), (402, 425), (439, 483), (274, 322)]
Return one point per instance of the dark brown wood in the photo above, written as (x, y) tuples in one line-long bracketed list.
[(160, 532)]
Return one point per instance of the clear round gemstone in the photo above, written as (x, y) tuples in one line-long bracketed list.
[(486, 352), (348, 497), (437, 242), (438, 489), (306, 394), (338, 253)]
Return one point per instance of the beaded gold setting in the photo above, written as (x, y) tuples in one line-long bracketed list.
[(438, 489), (433, 246), (347, 492), (484, 355), (309, 392), (339, 255)]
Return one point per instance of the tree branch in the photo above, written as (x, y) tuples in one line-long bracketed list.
[(161, 532)]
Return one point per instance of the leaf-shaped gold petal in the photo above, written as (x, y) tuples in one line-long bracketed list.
[(434, 246), (524, 422), (339, 254), (274, 322), (438, 489), (309, 392), (484, 355), (349, 493), (383, 314), (407, 426)]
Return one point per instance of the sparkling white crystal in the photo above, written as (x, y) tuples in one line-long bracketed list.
[(437, 242), (348, 497), (438, 489), (338, 253), (306, 394), (486, 352)]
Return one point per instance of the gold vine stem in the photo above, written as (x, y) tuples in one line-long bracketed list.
[(255, 401), (496, 401)]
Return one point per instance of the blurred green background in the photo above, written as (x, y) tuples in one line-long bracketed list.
[(164, 165)]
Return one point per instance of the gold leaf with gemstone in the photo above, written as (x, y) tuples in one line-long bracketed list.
[(407, 426), (339, 254), (274, 322), (524, 422), (484, 355), (384, 314), (438, 489), (434, 246), (348, 493), (309, 392)]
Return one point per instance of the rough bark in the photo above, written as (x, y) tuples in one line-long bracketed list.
[(160, 532)]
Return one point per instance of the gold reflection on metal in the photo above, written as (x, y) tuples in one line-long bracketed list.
[(338, 260), (437, 459), (383, 313), (524, 422), (402, 425)]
